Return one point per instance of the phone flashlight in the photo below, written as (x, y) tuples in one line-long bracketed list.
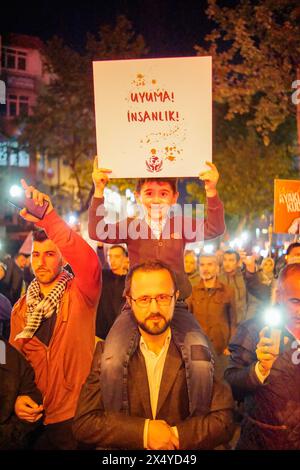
[(274, 319), (19, 200)]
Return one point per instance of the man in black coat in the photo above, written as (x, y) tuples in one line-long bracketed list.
[(17, 388), (266, 375), (5, 313), (12, 285), (113, 283)]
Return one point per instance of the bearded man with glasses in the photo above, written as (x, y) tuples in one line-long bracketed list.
[(163, 395)]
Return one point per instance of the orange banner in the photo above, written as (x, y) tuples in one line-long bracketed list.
[(287, 206)]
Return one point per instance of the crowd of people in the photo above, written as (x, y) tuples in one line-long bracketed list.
[(143, 344)]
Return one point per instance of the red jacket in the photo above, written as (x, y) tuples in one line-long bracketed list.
[(171, 245), (62, 367)]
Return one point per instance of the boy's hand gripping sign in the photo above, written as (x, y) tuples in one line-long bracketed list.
[(154, 116)]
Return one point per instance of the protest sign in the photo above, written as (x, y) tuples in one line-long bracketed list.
[(154, 116), (287, 206)]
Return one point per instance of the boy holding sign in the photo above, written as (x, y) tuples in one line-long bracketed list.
[(156, 235)]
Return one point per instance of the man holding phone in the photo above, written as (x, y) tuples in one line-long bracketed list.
[(53, 325), (266, 375)]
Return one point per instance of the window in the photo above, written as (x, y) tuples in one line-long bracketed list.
[(22, 62), (17, 105), (11, 155), (23, 105), (3, 110), (13, 59), (12, 105), (3, 154)]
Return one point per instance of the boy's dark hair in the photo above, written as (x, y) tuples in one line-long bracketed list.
[(291, 247), (233, 252), (119, 246), (189, 252), (148, 266), (39, 236), (173, 182)]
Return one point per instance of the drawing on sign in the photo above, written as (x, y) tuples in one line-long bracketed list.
[(154, 163)]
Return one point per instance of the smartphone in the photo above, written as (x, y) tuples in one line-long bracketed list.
[(33, 209), (275, 335)]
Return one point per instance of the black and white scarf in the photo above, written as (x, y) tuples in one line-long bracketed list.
[(37, 309)]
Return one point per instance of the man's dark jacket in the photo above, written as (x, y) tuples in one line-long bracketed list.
[(11, 284), (5, 313), (115, 430), (16, 378), (110, 303)]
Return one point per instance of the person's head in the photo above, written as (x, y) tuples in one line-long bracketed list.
[(21, 260), (151, 291), (293, 253), (208, 267), (46, 259), (267, 265), (156, 195), (190, 262), (231, 260), (288, 294), (116, 258)]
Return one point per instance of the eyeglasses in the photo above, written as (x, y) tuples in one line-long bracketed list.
[(162, 300)]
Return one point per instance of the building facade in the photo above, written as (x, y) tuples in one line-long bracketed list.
[(23, 73)]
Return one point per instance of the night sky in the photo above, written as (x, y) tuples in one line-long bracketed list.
[(170, 27)]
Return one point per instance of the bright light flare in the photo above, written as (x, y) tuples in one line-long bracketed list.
[(273, 317), (208, 249), (72, 219), (245, 236), (15, 191)]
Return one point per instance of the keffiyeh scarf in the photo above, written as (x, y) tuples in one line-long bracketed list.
[(37, 309)]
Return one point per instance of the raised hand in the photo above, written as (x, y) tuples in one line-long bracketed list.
[(38, 198), (100, 178), (210, 178)]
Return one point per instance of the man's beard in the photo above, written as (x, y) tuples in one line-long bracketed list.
[(207, 277), (52, 277), (155, 330)]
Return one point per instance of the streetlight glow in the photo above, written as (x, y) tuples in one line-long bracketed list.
[(208, 249), (15, 191), (245, 236)]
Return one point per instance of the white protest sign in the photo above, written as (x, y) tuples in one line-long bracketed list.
[(154, 116)]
